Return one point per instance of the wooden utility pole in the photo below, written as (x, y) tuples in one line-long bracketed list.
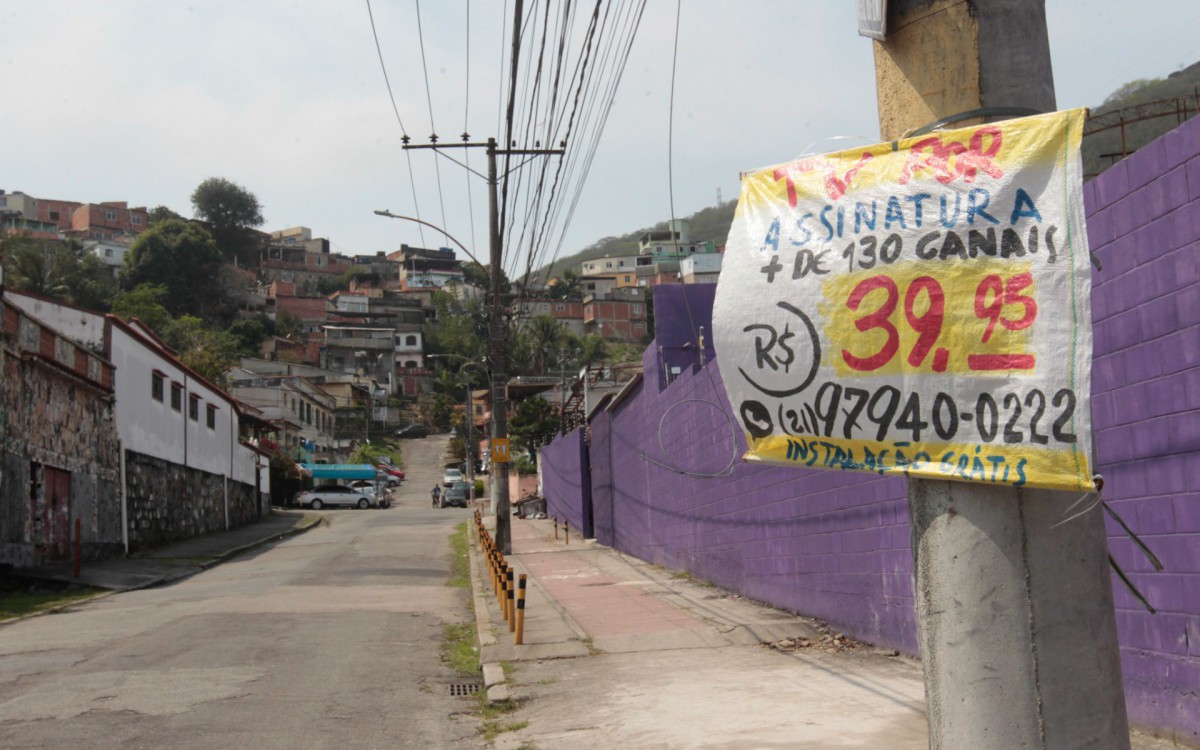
[(1016, 620)]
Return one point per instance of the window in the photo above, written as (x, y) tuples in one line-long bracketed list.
[(54, 216), (108, 252), (156, 386), (560, 306), (110, 215), (135, 220), (410, 341), (637, 309), (194, 407), (176, 396), (212, 417)]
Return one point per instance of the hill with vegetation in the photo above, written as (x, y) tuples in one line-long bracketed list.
[(710, 223), (1149, 108)]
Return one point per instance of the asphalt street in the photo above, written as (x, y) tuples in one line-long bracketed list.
[(326, 639)]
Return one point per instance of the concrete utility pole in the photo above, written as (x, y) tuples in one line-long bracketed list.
[(1016, 619), (498, 359), (497, 350)]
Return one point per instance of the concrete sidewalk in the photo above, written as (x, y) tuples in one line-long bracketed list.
[(621, 653), (662, 661), (179, 560)]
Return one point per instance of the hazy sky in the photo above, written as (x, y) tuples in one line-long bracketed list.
[(141, 100)]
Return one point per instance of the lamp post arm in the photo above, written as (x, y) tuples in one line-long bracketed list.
[(435, 227)]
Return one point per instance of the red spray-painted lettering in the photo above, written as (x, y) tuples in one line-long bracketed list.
[(835, 186), (949, 161)]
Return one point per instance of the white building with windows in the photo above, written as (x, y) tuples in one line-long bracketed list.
[(110, 252), (184, 470)]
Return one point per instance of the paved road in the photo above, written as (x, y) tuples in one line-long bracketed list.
[(328, 639)]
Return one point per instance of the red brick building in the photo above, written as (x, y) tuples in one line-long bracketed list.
[(104, 221), (617, 317)]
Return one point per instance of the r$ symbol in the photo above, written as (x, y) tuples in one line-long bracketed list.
[(771, 349)]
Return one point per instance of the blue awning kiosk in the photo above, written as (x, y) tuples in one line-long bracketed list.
[(339, 471)]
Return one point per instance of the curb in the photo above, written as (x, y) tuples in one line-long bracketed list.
[(493, 672), (309, 522)]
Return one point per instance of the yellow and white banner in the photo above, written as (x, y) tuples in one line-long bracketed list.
[(919, 307)]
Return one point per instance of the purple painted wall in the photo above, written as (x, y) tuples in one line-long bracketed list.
[(1144, 225), (564, 480), (668, 484)]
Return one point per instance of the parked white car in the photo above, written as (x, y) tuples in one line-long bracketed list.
[(333, 495), (450, 476)]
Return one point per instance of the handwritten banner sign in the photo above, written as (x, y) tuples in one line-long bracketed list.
[(921, 307)]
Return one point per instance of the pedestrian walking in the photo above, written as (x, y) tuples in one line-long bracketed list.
[(437, 493)]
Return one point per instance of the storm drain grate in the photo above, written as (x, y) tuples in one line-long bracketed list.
[(464, 688)]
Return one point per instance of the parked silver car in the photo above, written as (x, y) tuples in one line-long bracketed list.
[(450, 476), (333, 495)]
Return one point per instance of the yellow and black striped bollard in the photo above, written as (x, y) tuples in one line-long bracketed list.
[(512, 612), (519, 637)]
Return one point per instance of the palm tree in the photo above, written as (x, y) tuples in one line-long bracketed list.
[(593, 349), (42, 267), (544, 334), (566, 286)]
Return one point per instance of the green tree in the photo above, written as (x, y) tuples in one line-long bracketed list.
[(288, 324), (480, 275), (534, 423), (182, 257), (460, 327), (370, 453), (341, 282), (93, 287), (440, 413), (161, 213), (249, 334), (476, 275), (50, 268), (231, 212), (592, 350), (566, 286), (206, 350), (209, 352), (545, 334), (147, 303)]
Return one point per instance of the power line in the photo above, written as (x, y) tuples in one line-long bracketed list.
[(404, 133), (671, 119), (580, 76), (466, 128), (429, 99), (624, 44)]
